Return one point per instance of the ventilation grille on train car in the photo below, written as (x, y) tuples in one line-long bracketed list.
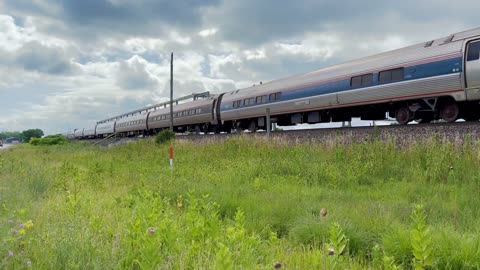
[(449, 39)]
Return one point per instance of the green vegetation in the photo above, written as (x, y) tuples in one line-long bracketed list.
[(25, 135), (164, 136), (241, 204), (49, 140)]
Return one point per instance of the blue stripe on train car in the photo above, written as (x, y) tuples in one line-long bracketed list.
[(421, 71)]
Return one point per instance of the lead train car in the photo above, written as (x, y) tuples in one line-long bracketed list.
[(432, 80)]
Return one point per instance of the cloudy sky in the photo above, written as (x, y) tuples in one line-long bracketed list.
[(65, 64)]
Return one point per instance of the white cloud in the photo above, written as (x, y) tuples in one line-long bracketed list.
[(208, 32)]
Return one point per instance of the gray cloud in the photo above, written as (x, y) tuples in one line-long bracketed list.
[(89, 19), (34, 56)]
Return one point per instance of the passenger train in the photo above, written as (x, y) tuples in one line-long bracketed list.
[(436, 79)]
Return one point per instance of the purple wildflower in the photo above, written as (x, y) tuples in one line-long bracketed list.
[(14, 231), (10, 253)]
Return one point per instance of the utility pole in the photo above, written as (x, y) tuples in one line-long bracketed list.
[(171, 92)]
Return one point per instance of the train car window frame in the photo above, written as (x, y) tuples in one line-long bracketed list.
[(251, 101), (258, 100), (245, 102), (473, 52), (278, 96)]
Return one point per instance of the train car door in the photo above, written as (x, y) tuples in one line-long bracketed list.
[(218, 119), (472, 72)]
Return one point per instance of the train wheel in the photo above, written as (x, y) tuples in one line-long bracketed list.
[(449, 112), (403, 115)]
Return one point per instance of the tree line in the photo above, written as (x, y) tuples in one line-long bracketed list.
[(25, 135)]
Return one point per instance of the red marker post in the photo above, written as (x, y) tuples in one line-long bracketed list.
[(171, 157)]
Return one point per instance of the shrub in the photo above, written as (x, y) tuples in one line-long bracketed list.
[(164, 136), (49, 140)]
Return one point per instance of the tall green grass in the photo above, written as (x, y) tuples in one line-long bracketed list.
[(240, 204)]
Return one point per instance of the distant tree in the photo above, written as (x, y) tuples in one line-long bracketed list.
[(31, 133), (7, 134)]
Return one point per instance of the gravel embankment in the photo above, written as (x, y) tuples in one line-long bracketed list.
[(457, 133)]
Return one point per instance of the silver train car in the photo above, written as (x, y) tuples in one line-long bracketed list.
[(78, 133), (105, 129), (132, 125), (194, 116), (437, 79)]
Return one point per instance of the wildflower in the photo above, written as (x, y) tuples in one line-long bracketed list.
[(22, 231), (10, 253), (29, 263), (331, 251), (14, 231), (151, 230), (29, 224), (21, 225), (10, 221), (277, 265), (323, 212), (179, 202)]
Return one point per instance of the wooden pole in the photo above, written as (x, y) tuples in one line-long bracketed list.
[(171, 92), (269, 125)]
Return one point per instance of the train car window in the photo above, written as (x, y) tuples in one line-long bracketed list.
[(234, 104), (391, 75), (385, 76), (264, 99), (245, 102), (473, 51), (397, 74), (252, 101), (258, 100), (367, 79), (271, 97), (356, 81), (278, 96)]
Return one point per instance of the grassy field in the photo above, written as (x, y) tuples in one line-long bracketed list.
[(242, 204)]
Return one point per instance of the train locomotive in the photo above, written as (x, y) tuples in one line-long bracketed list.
[(436, 79)]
